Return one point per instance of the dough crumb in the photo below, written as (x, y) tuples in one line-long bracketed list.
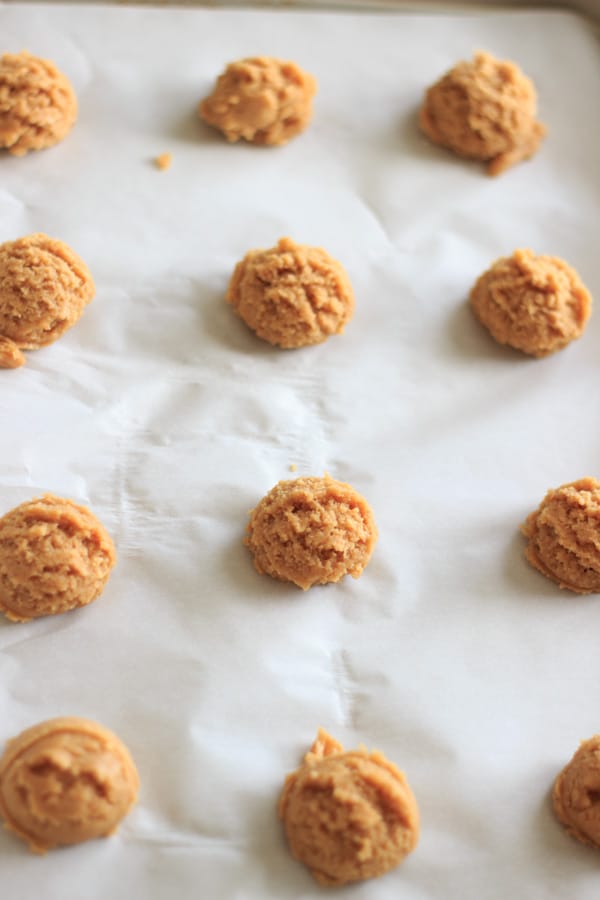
[(65, 781), (10, 355), (576, 793), (261, 100), (163, 161), (293, 467), (484, 109), (348, 816)]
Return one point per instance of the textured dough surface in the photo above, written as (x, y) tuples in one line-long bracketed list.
[(484, 109), (262, 100), (311, 531), (536, 304), (38, 106), (54, 556), (348, 816), (65, 781), (564, 536), (576, 793), (291, 295)]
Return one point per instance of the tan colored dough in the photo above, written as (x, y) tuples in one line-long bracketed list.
[(484, 109), (348, 816), (44, 288), (54, 556), (65, 781), (311, 531), (262, 100), (291, 295), (38, 106), (536, 304), (564, 536), (576, 793)]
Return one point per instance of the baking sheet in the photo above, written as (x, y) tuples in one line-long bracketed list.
[(168, 418)]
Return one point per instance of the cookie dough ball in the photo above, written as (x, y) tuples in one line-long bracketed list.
[(536, 304), (38, 106), (484, 109), (311, 531), (65, 781), (291, 295), (44, 288), (262, 100), (576, 793), (54, 556), (348, 816), (564, 536)]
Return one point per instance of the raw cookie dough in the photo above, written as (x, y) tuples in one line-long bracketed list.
[(65, 781), (44, 288), (262, 100), (38, 106), (291, 295), (348, 816), (311, 531), (484, 109), (576, 793), (536, 304), (54, 556), (564, 536)]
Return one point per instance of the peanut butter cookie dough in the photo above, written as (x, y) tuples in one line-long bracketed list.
[(348, 816), (484, 109), (54, 556), (291, 295), (65, 781), (536, 304), (576, 793), (262, 100), (311, 531), (38, 106), (564, 536), (44, 288)]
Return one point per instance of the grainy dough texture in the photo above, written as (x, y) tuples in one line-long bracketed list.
[(65, 781), (576, 794), (536, 304), (44, 288), (484, 109), (348, 816), (54, 556), (38, 106), (564, 536), (311, 531), (262, 100), (291, 295)]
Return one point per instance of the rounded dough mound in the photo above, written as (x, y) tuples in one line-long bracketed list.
[(54, 556), (38, 106), (564, 536), (311, 531), (65, 781), (44, 288), (348, 816), (291, 295), (536, 304), (484, 109), (576, 793), (262, 100)]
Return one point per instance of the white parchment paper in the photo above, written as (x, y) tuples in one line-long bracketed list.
[(166, 416)]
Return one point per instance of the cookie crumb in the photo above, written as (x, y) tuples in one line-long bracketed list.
[(163, 161), (293, 467)]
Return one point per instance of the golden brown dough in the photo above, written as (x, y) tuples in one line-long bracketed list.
[(54, 556), (262, 100), (65, 781), (291, 295), (311, 531), (536, 304), (564, 536), (38, 106), (348, 816), (484, 109), (44, 288), (576, 793)]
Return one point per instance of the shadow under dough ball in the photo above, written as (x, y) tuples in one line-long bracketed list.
[(576, 793), (66, 781), (38, 106), (54, 556)]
